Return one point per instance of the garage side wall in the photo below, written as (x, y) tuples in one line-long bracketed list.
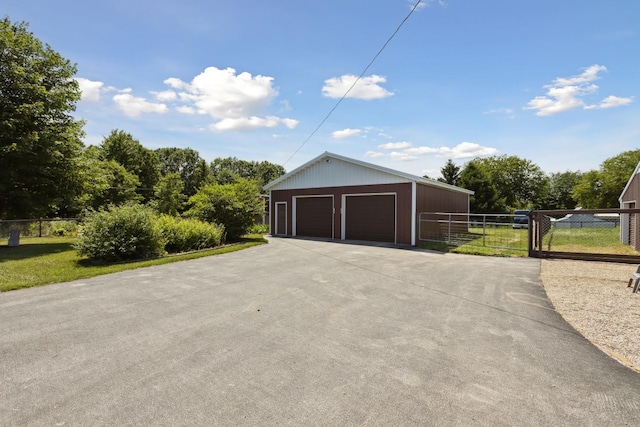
[(433, 199), (403, 201), (633, 190), (629, 222)]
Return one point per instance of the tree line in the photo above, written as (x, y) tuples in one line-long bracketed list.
[(505, 183)]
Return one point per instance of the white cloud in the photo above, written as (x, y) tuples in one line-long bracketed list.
[(250, 123), (588, 75), (184, 109), (165, 95), (460, 151), (235, 101), (133, 106), (374, 154), (506, 111), (345, 133), (174, 83), (567, 93), (90, 89), (425, 3), (402, 156), (405, 151), (610, 102), (290, 123), (395, 145), (366, 88)]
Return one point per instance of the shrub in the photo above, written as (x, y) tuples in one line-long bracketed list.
[(64, 228), (258, 229), (235, 206), (183, 235), (120, 233)]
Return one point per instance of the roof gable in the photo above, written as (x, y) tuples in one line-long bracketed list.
[(332, 170), (626, 187)]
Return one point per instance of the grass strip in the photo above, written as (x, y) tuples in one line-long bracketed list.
[(41, 261)]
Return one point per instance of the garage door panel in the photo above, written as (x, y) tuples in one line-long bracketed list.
[(314, 217), (371, 218)]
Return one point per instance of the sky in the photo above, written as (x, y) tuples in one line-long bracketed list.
[(553, 82)]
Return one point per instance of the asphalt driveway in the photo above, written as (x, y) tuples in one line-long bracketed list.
[(302, 332)]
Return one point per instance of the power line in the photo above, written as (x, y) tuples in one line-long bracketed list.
[(415, 6)]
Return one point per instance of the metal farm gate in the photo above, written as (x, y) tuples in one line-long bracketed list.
[(586, 234)]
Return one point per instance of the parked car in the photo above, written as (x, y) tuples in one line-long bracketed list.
[(521, 219)]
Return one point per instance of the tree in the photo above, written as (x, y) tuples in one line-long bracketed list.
[(104, 182), (121, 147), (588, 191), (450, 173), (40, 141), (168, 193), (227, 170), (520, 182), (560, 193), (485, 198), (602, 188), (186, 162), (265, 172), (233, 205)]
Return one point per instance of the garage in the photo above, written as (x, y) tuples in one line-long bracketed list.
[(370, 217), (314, 216), (341, 198)]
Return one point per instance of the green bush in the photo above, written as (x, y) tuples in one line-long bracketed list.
[(120, 233), (183, 235), (64, 228), (258, 229), (235, 206)]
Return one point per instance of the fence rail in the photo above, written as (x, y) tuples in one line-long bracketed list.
[(499, 232)]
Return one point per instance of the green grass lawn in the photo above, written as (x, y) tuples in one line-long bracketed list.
[(496, 241), (505, 241), (40, 261), (586, 240)]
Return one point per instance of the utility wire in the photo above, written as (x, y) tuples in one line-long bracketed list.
[(415, 6)]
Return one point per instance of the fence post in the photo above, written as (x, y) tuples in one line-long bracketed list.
[(539, 234), (530, 231), (484, 228), (449, 232), (40, 227)]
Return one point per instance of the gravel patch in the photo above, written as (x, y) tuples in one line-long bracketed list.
[(594, 298)]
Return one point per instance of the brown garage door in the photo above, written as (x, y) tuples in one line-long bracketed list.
[(314, 216), (371, 218)]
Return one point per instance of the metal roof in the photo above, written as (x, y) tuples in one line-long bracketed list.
[(333, 170)]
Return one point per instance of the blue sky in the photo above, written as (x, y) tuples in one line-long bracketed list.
[(555, 82)]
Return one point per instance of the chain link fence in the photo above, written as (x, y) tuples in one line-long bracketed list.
[(598, 234), (42, 227)]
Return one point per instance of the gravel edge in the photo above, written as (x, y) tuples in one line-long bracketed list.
[(593, 297)]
